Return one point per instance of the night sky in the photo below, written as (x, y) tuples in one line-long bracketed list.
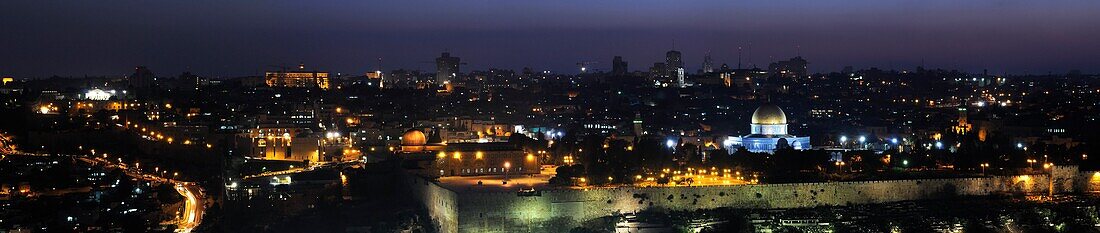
[(237, 38)]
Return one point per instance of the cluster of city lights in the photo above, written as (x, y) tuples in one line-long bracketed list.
[(699, 177), (152, 135)]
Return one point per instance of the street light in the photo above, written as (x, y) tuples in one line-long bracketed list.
[(984, 166), (1050, 190), (507, 166), (862, 142)]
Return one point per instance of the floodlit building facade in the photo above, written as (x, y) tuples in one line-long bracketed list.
[(298, 79), (768, 132)]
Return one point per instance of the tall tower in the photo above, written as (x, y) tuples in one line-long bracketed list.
[(142, 81), (142, 77), (674, 60), (446, 68), (963, 126), (674, 63), (708, 64)]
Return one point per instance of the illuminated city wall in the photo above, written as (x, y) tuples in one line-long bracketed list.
[(439, 202), (1088, 181), (556, 209)]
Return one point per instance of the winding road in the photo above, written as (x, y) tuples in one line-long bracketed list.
[(193, 207), (192, 194)]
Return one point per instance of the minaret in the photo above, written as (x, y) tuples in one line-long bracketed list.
[(638, 131)]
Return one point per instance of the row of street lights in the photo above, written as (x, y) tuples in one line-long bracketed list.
[(862, 140), (137, 165), (158, 136)]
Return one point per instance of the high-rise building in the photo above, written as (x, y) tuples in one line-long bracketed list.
[(446, 68), (618, 66), (674, 63), (658, 72), (674, 60), (793, 68), (402, 78), (142, 78), (708, 64)]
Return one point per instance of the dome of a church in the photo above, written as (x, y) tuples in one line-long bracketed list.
[(414, 137), (769, 114)]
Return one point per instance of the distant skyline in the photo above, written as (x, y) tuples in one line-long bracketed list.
[(241, 38)]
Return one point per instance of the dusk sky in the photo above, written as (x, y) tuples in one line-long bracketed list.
[(238, 38)]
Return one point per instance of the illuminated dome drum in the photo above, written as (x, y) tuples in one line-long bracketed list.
[(769, 120)]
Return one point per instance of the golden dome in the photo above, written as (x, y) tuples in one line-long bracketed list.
[(414, 138), (769, 114)]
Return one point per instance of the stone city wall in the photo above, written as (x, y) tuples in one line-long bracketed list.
[(560, 209), (1087, 181), (439, 201)]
